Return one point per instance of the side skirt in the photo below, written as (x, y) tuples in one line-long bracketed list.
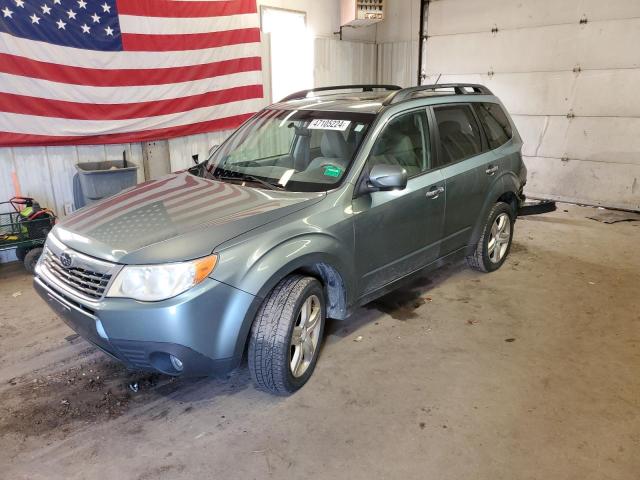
[(389, 287)]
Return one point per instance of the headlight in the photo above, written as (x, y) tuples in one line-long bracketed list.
[(150, 283)]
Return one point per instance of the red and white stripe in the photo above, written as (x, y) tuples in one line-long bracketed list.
[(188, 67)]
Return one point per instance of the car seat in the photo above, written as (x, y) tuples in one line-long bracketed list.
[(396, 149), (456, 144), (335, 151)]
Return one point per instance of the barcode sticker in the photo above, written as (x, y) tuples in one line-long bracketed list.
[(322, 124)]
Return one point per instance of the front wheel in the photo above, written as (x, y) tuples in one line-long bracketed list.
[(31, 259), (21, 252), (495, 241), (286, 334)]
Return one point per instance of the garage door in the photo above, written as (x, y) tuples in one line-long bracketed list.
[(568, 72)]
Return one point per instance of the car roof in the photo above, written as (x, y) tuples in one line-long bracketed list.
[(363, 102), (373, 102)]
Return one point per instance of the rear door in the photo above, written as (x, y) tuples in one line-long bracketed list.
[(468, 170), (498, 132), (398, 232)]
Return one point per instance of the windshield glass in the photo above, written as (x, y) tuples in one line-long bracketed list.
[(295, 150)]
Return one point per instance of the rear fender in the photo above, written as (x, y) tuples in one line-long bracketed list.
[(507, 183)]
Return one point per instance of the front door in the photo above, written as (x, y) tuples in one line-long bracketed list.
[(398, 232)]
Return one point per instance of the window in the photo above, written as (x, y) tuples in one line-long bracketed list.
[(459, 133), (290, 149), (404, 142), (495, 122)]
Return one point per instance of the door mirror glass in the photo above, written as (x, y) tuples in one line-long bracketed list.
[(388, 177)]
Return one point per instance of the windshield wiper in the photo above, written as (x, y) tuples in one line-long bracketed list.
[(245, 177)]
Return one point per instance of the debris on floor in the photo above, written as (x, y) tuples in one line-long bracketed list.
[(50, 404), (614, 216), (72, 338), (536, 207)]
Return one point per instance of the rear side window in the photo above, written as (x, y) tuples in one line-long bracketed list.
[(459, 133), (495, 122)]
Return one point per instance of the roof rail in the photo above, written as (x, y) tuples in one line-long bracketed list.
[(458, 88), (365, 88)]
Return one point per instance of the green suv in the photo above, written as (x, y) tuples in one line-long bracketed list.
[(316, 205)]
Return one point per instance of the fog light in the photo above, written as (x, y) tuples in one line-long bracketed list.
[(176, 363)]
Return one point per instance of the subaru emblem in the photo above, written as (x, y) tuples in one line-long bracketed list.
[(66, 260)]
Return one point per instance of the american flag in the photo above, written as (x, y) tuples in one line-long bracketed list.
[(115, 71)]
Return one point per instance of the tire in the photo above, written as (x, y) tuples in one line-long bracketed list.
[(31, 258), (273, 356), (21, 252), (487, 256)]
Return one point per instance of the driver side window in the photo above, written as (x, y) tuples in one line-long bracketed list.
[(404, 142)]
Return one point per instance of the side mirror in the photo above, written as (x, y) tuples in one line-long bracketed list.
[(388, 177)]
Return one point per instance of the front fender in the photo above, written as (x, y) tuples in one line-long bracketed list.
[(260, 271), (257, 269)]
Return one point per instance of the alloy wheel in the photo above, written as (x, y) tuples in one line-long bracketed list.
[(499, 238), (305, 337)]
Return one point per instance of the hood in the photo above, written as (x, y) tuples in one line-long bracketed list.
[(177, 217)]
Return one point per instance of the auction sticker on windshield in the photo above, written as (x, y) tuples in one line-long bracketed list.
[(322, 124)]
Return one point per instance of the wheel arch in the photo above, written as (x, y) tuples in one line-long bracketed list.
[(322, 267), (328, 268), (504, 189)]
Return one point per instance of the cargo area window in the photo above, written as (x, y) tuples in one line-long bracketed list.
[(495, 123)]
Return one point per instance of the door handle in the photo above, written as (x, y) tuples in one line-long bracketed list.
[(435, 193), (492, 170)]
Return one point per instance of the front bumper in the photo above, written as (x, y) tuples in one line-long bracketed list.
[(205, 327)]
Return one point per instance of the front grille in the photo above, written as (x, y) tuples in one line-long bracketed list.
[(84, 281)]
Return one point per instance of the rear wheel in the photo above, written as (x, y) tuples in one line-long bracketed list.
[(31, 258), (495, 241), (286, 334)]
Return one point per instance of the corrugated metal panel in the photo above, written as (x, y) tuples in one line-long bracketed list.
[(340, 62), (569, 85), (182, 149), (398, 63), (46, 173)]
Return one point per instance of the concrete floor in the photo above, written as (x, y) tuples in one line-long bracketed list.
[(532, 372)]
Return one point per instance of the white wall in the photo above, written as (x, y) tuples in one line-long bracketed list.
[(570, 87)]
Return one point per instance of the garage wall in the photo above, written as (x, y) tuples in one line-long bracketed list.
[(568, 73)]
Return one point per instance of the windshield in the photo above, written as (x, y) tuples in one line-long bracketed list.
[(294, 150)]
